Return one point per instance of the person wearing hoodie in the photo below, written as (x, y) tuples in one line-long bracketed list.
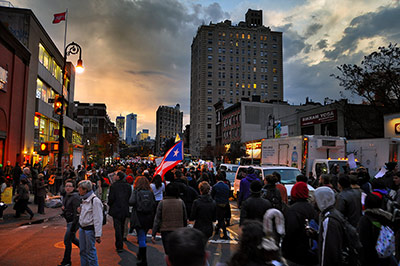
[(296, 243), (369, 229), (331, 233), (255, 206), (71, 202), (244, 190), (204, 210)]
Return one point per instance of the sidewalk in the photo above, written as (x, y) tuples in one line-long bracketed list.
[(9, 219)]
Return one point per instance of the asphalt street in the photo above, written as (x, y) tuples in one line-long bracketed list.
[(40, 242)]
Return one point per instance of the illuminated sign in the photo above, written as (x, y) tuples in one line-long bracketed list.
[(397, 128)]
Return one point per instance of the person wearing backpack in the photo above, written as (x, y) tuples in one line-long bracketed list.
[(118, 200), (143, 208), (331, 231), (90, 222), (297, 245), (271, 193), (369, 229)]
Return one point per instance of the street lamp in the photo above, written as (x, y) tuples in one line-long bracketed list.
[(72, 48)]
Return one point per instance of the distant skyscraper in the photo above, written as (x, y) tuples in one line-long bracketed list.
[(168, 123), (120, 121), (143, 135), (131, 124), (231, 62)]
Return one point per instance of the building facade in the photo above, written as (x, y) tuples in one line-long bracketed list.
[(230, 63), (131, 128), (143, 135), (169, 121), (120, 122), (14, 70), (44, 83)]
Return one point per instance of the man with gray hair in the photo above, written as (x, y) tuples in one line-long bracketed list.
[(91, 222)]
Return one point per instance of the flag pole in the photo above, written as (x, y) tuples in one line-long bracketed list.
[(65, 33)]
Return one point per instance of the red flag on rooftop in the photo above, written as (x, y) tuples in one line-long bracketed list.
[(59, 17)]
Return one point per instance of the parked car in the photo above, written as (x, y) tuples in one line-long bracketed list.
[(288, 176)]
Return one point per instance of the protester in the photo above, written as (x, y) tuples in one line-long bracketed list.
[(158, 188), (348, 201), (21, 199), (118, 201), (16, 173), (91, 222), (272, 193), (255, 248), (204, 211), (296, 246), (220, 193), (170, 215), (71, 203), (244, 190), (254, 207), (41, 193), (143, 207), (187, 248), (331, 233), (282, 189), (369, 229), (186, 192)]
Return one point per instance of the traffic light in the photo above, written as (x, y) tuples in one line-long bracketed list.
[(58, 104), (44, 148)]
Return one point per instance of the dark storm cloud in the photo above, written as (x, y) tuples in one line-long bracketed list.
[(322, 44), (312, 29), (384, 22), (293, 43)]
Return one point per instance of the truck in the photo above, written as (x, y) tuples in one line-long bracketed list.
[(374, 153), (309, 153)]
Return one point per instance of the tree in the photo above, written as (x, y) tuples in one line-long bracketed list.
[(377, 80), (235, 151)]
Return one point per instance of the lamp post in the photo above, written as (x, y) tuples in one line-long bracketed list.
[(72, 48)]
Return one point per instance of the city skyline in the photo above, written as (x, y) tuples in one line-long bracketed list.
[(137, 54)]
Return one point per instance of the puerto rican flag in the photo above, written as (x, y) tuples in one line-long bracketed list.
[(171, 159)]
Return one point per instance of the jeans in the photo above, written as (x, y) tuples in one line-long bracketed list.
[(69, 238), (87, 241), (119, 231), (141, 234)]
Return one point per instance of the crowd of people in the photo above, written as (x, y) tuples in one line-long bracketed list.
[(342, 221)]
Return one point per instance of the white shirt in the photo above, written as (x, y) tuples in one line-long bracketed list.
[(158, 193)]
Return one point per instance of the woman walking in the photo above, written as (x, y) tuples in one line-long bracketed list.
[(143, 202)]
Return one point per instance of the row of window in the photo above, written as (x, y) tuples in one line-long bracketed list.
[(235, 132), (244, 44), (237, 51), (233, 120), (49, 63), (242, 35)]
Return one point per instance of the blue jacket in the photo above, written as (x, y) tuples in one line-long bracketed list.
[(244, 191), (220, 193)]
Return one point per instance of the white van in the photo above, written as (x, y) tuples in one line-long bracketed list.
[(288, 176)]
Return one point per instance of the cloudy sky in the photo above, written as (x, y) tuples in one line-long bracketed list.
[(137, 52)]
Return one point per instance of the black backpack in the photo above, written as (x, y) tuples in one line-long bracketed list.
[(352, 245), (145, 202), (274, 196)]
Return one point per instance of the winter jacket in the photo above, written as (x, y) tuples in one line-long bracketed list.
[(244, 191), (330, 240), (170, 215), (368, 230), (92, 214), (254, 208), (220, 193), (71, 203), (187, 194), (141, 220), (296, 245), (118, 200), (348, 202), (204, 214), (40, 188)]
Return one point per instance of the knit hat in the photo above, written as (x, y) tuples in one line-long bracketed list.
[(255, 186), (129, 179), (299, 191), (250, 170)]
